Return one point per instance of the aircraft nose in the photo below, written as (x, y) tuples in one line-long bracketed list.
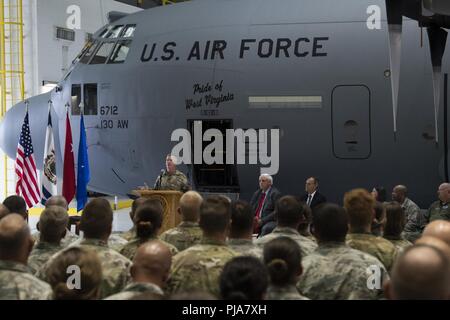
[(12, 122)]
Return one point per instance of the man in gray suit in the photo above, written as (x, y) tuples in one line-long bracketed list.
[(263, 205)]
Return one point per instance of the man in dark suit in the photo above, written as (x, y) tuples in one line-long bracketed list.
[(312, 197), (263, 205)]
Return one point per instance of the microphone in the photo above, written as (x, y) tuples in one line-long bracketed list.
[(159, 179)]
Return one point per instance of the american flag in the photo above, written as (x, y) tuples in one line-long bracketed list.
[(27, 182)]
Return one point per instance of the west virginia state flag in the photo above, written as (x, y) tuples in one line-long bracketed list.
[(48, 179)]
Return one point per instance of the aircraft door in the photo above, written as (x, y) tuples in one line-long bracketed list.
[(214, 177), (351, 127)]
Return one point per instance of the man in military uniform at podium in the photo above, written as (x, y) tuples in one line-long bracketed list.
[(171, 178)]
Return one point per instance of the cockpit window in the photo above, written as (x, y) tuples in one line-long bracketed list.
[(120, 52), (88, 53), (102, 53), (128, 31), (114, 32), (104, 32)]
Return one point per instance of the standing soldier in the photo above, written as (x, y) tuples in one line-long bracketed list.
[(171, 178)]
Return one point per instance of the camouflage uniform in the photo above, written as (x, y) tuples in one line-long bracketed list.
[(378, 247), (68, 239), (399, 242), (184, 236), (129, 235), (129, 250), (115, 267), (198, 268), (414, 220), (115, 242), (17, 283), (176, 181), (438, 211), (288, 292), (245, 247), (134, 289), (41, 253), (306, 245), (336, 271)]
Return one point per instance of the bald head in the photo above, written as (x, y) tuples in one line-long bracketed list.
[(421, 272), (444, 192), (3, 211), (439, 229), (15, 239), (399, 193), (152, 263), (190, 206), (58, 201), (436, 243)]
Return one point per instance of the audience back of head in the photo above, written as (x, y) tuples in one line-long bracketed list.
[(244, 278), (282, 257)]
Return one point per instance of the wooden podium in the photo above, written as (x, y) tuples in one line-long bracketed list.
[(169, 200)]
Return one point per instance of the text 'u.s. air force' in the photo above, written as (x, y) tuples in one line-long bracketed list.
[(217, 49)]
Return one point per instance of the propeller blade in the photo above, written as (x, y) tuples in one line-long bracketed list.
[(438, 40), (395, 24)]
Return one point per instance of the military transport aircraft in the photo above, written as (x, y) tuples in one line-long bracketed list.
[(354, 104)]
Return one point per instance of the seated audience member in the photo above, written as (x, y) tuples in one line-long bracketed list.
[(197, 269), (420, 273), (263, 205), (148, 220), (414, 217), (289, 215), (96, 224), (88, 267), (16, 282), (379, 219), (360, 208), (149, 272), (244, 278), (395, 222), (283, 260), (188, 232), (240, 238), (131, 234), (16, 204), (53, 227), (335, 271)]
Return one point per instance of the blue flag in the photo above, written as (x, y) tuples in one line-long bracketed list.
[(83, 174)]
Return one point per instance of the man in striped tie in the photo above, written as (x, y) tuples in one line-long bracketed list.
[(27, 181)]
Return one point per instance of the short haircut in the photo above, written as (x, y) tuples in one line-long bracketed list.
[(215, 214), (330, 223), (414, 277), (268, 176), (316, 180), (96, 220), (289, 211), (244, 278), (16, 204), (59, 201), (148, 218), (174, 159), (53, 223), (136, 203), (190, 205), (242, 217), (90, 268), (14, 233), (395, 219), (359, 205), (283, 258)]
